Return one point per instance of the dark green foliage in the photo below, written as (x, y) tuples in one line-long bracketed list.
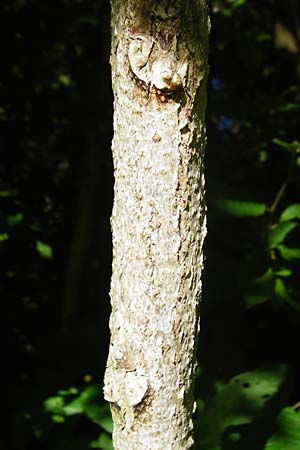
[(250, 311), (287, 434), (87, 404), (241, 401), (55, 108), (55, 202)]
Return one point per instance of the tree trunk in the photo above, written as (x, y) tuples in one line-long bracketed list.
[(159, 69)]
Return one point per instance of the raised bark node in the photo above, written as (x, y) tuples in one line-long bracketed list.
[(157, 68)]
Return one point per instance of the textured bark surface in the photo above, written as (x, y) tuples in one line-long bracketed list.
[(159, 68)]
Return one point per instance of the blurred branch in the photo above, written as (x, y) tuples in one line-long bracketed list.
[(278, 197)]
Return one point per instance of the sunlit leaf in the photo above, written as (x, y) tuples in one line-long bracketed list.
[(291, 212), (237, 3), (73, 408), (283, 272), (282, 143), (65, 79), (287, 434), (70, 391), (4, 237), (103, 442), (100, 415), (280, 289), (279, 233), (288, 253), (54, 405), (260, 384), (288, 145), (290, 106), (283, 295), (241, 208), (44, 250), (58, 418), (234, 437), (261, 289), (78, 405), (238, 403), (88, 403)]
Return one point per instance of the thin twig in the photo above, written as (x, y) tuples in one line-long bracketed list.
[(296, 406), (280, 193)]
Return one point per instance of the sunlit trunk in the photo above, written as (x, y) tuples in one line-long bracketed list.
[(159, 69)]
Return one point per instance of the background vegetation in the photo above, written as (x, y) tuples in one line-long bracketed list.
[(56, 180)]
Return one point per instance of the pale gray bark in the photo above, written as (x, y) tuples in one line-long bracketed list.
[(159, 69)]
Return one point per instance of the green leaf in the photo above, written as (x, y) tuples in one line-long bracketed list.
[(103, 442), (106, 423), (237, 3), (4, 237), (238, 403), (77, 406), (283, 144), (88, 403), (8, 193), (66, 392), (73, 408), (291, 146), (291, 212), (14, 219), (100, 414), (287, 435), (288, 253), (259, 385), (283, 272), (283, 295), (56, 418), (289, 107), (54, 405), (263, 37), (44, 250), (65, 79), (280, 290), (242, 208), (279, 233), (261, 289)]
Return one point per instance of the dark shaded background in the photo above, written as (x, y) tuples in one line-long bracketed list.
[(56, 191)]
